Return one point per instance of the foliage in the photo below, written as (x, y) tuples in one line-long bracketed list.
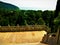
[(23, 17), (40, 21), (12, 15), (57, 20)]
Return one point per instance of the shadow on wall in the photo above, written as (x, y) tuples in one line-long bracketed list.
[(45, 39), (49, 39)]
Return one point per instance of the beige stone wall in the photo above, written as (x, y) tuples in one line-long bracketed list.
[(21, 37)]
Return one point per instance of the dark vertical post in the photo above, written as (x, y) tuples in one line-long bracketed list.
[(58, 35), (56, 14)]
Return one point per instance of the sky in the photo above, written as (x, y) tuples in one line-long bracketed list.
[(33, 4)]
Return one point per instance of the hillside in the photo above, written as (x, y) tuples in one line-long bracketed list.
[(7, 6)]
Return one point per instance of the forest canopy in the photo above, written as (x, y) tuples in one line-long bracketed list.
[(13, 16)]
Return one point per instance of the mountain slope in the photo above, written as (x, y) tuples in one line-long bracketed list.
[(7, 6)]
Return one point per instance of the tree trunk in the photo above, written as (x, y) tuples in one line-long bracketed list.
[(58, 32)]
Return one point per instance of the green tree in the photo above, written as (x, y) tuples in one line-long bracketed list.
[(41, 21), (47, 17)]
